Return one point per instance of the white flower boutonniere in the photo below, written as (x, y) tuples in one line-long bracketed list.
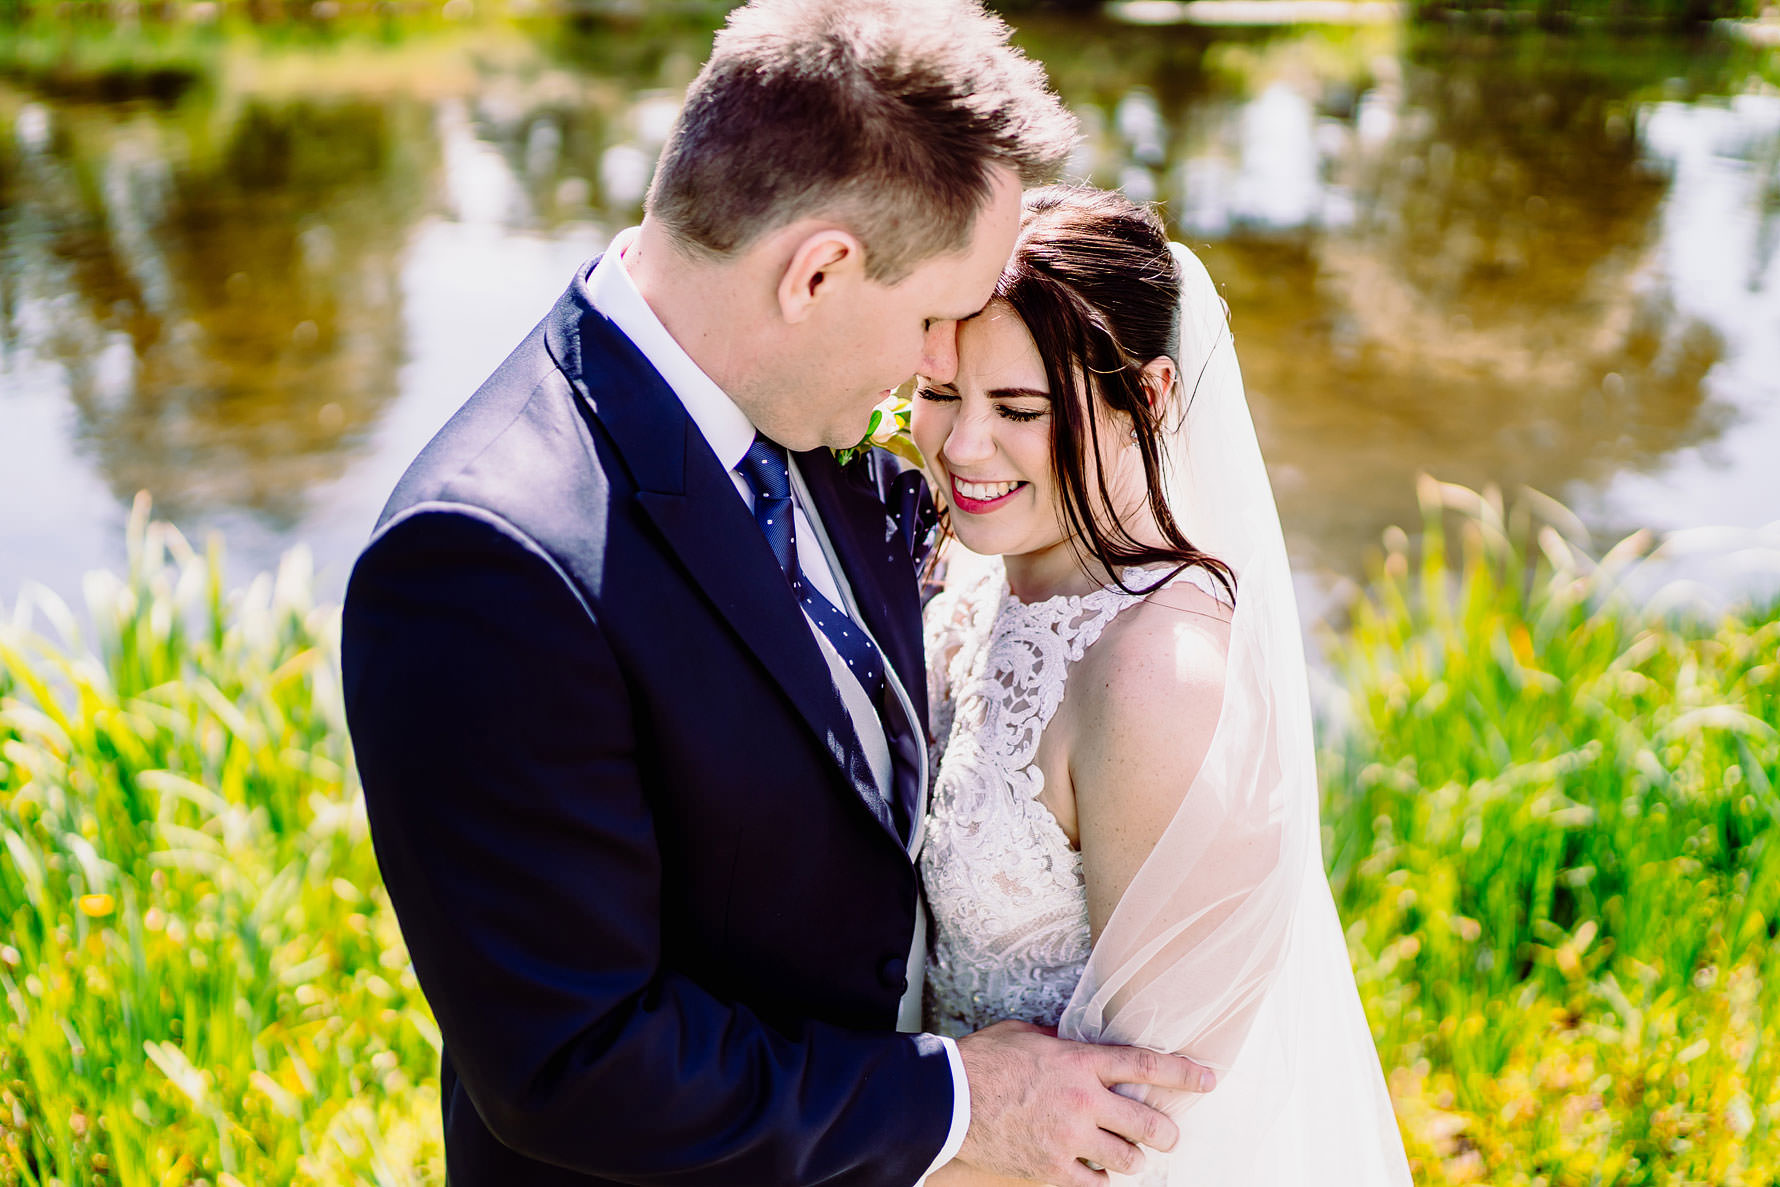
[(888, 429)]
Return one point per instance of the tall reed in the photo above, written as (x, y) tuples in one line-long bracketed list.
[(1549, 818), (1550, 821), (203, 979)]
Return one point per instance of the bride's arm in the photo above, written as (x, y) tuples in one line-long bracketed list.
[(1184, 946), (1150, 694)]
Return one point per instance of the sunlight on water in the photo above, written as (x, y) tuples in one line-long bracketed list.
[(1540, 261), (1719, 247)]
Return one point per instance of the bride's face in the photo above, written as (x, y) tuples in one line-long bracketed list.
[(987, 438)]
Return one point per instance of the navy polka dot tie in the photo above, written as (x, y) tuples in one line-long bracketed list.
[(767, 472)]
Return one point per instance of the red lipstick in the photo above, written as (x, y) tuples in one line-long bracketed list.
[(981, 506)]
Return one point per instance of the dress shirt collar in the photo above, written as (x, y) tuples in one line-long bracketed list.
[(724, 427)]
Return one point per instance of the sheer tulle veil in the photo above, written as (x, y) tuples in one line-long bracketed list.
[(1227, 946)]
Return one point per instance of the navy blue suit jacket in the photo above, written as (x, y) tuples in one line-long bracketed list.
[(617, 800)]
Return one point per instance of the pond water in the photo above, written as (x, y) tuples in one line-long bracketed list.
[(253, 275)]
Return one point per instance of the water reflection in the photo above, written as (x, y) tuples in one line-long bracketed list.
[(578, 132), (1451, 255), (1720, 242), (1545, 261), (217, 292)]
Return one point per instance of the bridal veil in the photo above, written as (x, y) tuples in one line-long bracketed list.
[(1227, 947)]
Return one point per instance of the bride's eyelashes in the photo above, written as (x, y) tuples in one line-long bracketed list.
[(1016, 415)]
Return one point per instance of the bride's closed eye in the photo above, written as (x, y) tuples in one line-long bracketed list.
[(1007, 412)]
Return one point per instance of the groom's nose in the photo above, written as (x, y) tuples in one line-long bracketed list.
[(939, 352)]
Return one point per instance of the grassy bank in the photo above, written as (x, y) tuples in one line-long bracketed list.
[(203, 978), (1553, 837), (1548, 818)]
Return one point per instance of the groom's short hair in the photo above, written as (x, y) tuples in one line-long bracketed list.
[(886, 114)]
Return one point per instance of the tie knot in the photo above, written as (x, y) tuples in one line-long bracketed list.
[(765, 466)]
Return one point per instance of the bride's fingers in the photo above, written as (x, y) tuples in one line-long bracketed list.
[(1079, 1175), (1138, 1123), (1109, 1151)]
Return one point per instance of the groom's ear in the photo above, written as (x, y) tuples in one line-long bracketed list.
[(818, 262)]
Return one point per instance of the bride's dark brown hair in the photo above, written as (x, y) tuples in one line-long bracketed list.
[(1093, 280)]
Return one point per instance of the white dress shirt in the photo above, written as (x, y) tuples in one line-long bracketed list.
[(729, 432)]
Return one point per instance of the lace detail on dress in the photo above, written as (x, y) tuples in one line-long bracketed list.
[(1004, 884)]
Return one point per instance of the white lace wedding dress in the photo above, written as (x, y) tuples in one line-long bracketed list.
[(1305, 1101), (1010, 908), (1226, 946)]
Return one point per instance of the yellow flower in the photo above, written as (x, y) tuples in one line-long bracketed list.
[(887, 429), (887, 420)]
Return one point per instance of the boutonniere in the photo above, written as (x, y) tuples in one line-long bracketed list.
[(888, 429)]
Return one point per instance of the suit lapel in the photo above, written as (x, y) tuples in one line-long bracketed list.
[(685, 492), (731, 563)]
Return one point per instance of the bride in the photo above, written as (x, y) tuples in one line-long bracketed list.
[(1123, 838)]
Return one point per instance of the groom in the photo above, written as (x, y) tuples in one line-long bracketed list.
[(633, 668)]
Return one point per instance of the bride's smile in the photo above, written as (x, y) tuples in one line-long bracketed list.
[(981, 497), (988, 440)]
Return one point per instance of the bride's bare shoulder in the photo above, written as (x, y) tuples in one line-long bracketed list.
[(1172, 644), (1147, 697), (1148, 693)]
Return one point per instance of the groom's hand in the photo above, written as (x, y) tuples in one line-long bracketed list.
[(1040, 1104)]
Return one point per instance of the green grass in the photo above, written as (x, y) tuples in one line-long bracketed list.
[(1549, 823), (203, 978), (1551, 830)]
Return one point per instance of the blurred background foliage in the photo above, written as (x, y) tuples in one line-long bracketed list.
[(246, 262), (1548, 804), (252, 254), (1550, 825)]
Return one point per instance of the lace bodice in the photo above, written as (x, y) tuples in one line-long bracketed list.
[(1004, 883)]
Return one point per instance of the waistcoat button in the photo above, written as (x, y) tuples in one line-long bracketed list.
[(893, 973)]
